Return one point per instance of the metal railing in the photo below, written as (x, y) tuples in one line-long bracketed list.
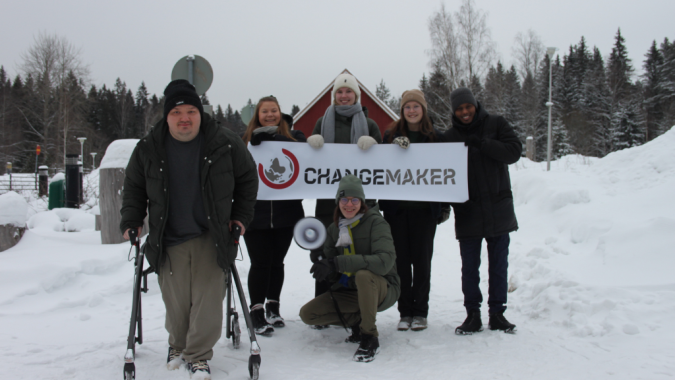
[(18, 182)]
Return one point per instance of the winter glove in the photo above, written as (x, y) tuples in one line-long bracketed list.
[(445, 215), (324, 268), (365, 142), (473, 141), (315, 141), (316, 255), (256, 138), (402, 141)]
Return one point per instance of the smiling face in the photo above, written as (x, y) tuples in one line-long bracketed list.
[(184, 121), (465, 113), (413, 112), (349, 206), (345, 96), (269, 114)]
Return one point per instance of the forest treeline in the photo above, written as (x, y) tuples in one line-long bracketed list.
[(599, 104)]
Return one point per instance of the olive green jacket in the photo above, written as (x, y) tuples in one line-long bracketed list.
[(229, 188), (374, 248)]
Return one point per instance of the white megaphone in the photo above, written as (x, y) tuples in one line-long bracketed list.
[(309, 233)]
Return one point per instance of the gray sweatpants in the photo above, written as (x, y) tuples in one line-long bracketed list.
[(360, 305), (193, 287)]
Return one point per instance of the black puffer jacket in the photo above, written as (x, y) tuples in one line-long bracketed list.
[(229, 188), (391, 206), (276, 214), (489, 211)]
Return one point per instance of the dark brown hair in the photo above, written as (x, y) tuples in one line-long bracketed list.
[(401, 126), (337, 214), (255, 121)]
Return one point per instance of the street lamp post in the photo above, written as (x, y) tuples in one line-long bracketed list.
[(81, 140), (549, 51), (93, 160)]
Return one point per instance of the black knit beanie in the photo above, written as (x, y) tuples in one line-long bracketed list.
[(180, 92), (460, 96)]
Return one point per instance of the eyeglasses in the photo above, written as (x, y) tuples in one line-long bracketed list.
[(354, 201)]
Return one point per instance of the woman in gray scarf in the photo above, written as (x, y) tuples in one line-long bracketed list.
[(343, 123)]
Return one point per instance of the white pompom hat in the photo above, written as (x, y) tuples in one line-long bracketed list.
[(346, 80)]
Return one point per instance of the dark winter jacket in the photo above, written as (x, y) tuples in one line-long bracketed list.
[(343, 129), (375, 252), (276, 214), (229, 188), (390, 207), (489, 211)]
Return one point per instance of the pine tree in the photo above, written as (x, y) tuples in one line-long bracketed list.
[(220, 115), (598, 104), (437, 95), (626, 121), (529, 102), (294, 110), (666, 87), (495, 90), (382, 92), (513, 105), (651, 85)]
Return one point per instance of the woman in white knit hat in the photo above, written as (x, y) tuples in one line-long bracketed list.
[(345, 122)]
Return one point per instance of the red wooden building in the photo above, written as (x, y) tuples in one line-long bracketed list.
[(378, 111)]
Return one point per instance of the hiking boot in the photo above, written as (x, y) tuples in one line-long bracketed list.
[(499, 322), (368, 348), (199, 370), (418, 324), (472, 324), (174, 359), (260, 324), (404, 324), (272, 314), (356, 334)]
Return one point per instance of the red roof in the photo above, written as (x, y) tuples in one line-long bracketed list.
[(378, 111)]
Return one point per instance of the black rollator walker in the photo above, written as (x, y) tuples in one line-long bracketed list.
[(232, 322)]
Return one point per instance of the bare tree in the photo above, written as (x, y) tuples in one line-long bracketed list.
[(477, 47), (58, 69), (528, 52), (445, 46)]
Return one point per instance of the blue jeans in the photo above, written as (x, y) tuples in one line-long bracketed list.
[(498, 253)]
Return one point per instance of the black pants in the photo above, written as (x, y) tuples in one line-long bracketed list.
[(498, 262), (267, 250), (413, 232)]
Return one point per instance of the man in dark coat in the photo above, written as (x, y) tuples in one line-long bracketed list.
[(489, 213), (196, 179)]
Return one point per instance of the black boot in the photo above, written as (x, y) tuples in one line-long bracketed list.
[(272, 314), (260, 324), (498, 322), (472, 324), (368, 348), (356, 334)]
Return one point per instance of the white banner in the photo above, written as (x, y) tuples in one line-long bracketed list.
[(423, 172)]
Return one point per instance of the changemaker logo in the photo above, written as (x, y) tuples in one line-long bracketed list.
[(280, 172)]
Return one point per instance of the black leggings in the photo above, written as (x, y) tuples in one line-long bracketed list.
[(267, 250)]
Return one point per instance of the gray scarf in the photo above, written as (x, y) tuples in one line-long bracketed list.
[(270, 130), (344, 240), (359, 123)]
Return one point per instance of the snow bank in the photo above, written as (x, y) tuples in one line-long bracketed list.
[(118, 153), (13, 209), (62, 219)]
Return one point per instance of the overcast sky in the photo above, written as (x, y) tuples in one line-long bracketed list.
[(292, 49)]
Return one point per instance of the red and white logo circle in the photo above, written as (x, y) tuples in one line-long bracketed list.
[(280, 172)]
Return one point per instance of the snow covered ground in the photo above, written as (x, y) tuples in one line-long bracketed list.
[(592, 293)]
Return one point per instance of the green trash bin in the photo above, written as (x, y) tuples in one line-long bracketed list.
[(57, 190)]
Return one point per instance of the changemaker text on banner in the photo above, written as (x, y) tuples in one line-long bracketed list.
[(423, 172)]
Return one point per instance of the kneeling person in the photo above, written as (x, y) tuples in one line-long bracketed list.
[(361, 266)]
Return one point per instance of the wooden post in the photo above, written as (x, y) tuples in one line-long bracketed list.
[(111, 183), (529, 146), (10, 235)]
